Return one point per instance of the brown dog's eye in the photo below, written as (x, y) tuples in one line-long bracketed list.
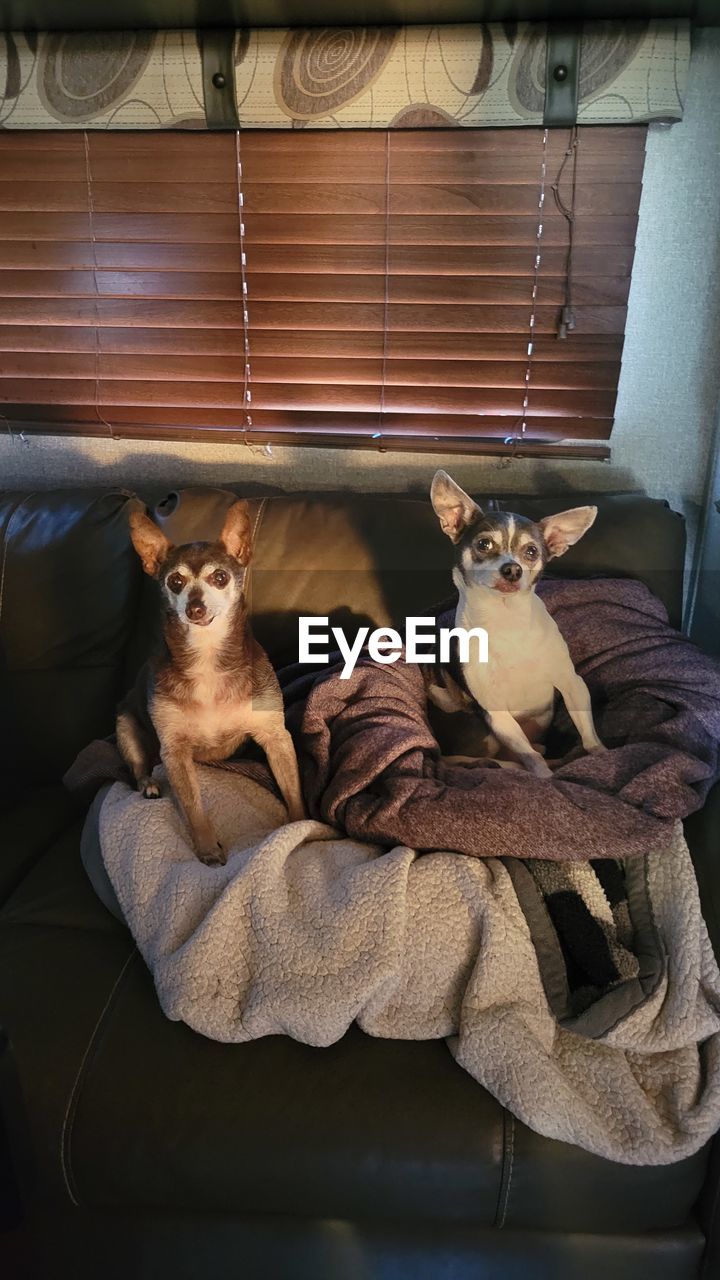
[(531, 551), (220, 578), (176, 582)]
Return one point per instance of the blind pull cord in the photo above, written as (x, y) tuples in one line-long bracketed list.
[(247, 423), (14, 435), (514, 440), (91, 220), (567, 315), (247, 373)]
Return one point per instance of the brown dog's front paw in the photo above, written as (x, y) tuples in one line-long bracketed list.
[(212, 854), (149, 789)]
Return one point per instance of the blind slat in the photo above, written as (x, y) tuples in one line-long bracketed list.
[(309, 371), (525, 143), (446, 200), (467, 167), (266, 229), (329, 437), (283, 343), (316, 424), (306, 396), (426, 229), (477, 260), (348, 317), (306, 287)]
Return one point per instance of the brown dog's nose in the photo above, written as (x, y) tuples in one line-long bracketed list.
[(195, 610), (511, 571)]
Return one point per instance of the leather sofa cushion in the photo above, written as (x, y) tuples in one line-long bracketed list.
[(74, 630), (374, 559), (183, 1245), (28, 827), (69, 598), (13, 766), (633, 537), (140, 1112)]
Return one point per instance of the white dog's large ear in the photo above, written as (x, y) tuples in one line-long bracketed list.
[(567, 528), (236, 536), (150, 542), (453, 507)]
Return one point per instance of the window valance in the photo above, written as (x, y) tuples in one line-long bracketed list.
[(483, 75)]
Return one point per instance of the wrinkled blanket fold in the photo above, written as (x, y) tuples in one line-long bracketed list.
[(305, 931), (372, 767)]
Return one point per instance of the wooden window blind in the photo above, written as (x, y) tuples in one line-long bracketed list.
[(386, 289)]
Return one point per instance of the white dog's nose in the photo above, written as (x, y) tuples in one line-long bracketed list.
[(511, 571)]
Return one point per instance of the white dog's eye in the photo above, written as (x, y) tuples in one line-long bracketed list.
[(176, 582), (220, 578), (531, 551), (484, 544)]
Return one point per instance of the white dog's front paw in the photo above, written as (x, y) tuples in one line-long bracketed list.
[(537, 766)]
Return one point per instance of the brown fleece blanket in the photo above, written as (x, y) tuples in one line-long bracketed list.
[(372, 767)]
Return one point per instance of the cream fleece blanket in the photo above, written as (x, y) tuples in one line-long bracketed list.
[(304, 932)]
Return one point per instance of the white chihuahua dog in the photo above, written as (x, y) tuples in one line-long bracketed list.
[(498, 560)]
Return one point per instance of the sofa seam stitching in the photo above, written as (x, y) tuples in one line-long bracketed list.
[(511, 1158), (258, 516), (6, 541), (253, 536), (74, 1097), (503, 1166)]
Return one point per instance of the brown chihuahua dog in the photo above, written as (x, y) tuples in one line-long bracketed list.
[(213, 686)]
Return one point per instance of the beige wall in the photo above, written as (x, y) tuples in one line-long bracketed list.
[(669, 385)]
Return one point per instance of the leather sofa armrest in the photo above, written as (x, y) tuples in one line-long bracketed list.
[(702, 832)]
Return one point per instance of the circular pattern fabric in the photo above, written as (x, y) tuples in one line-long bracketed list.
[(421, 116), (84, 73), (320, 70), (602, 58)]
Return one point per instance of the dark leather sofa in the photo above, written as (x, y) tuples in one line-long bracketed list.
[(134, 1148)]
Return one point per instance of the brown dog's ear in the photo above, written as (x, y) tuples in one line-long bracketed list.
[(150, 542), (453, 507), (236, 536), (567, 528)]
